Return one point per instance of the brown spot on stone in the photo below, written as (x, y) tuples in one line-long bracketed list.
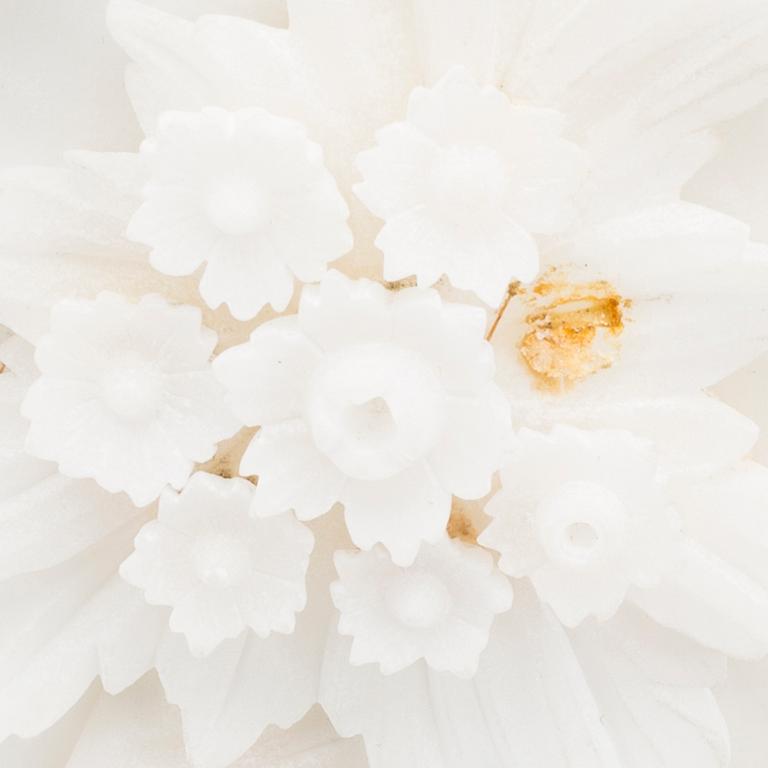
[(573, 330), (2, 366), (461, 527), (398, 285), (226, 462)]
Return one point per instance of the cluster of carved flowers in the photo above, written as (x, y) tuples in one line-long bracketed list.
[(508, 396), (381, 400)]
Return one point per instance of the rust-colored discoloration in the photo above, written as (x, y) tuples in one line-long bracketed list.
[(2, 366), (398, 285), (226, 462), (573, 329), (461, 527)]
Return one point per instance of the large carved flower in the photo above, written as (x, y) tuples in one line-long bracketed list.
[(583, 515), (440, 608), (219, 568), (382, 400), (465, 182), (126, 394), (247, 193)]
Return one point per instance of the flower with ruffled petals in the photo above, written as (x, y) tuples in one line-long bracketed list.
[(381, 400), (440, 608), (582, 514), (221, 569), (461, 186), (126, 395), (246, 192)]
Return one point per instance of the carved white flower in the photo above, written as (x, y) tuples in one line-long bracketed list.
[(381, 400), (583, 515), (465, 182), (126, 395), (440, 608), (219, 567), (248, 193)]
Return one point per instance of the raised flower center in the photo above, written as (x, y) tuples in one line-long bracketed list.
[(465, 179), (132, 392), (220, 560), (375, 409), (419, 600), (237, 208), (581, 522)]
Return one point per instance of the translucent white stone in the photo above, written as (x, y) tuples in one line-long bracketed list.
[(459, 185), (382, 400), (440, 608), (126, 394), (585, 516), (220, 569), (246, 193)]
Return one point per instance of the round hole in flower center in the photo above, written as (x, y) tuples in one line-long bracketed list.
[(237, 208), (375, 409), (419, 600), (582, 536), (132, 392), (580, 522), (371, 421), (221, 560)]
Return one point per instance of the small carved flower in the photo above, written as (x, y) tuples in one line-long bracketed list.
[(384, 401), (583, 515), (465, 182), (439, 609), (221, 569), (248, 193), (126, 395)]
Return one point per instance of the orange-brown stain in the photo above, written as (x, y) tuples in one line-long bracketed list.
[(573, 329), (461, 527), (226, 462)]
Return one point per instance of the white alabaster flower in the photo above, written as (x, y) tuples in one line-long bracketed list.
[(247, 193), (465, 182), (383, 400), (219, 568), (582, 514), (440, 608), (126, 395)]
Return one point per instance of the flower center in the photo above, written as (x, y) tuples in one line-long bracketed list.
[(221, 560), (467, 179), (237, 208), (419, 600), (132, 393), (573, 332), (581, 522), (375, 409), (582, 536), (371, 421)]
